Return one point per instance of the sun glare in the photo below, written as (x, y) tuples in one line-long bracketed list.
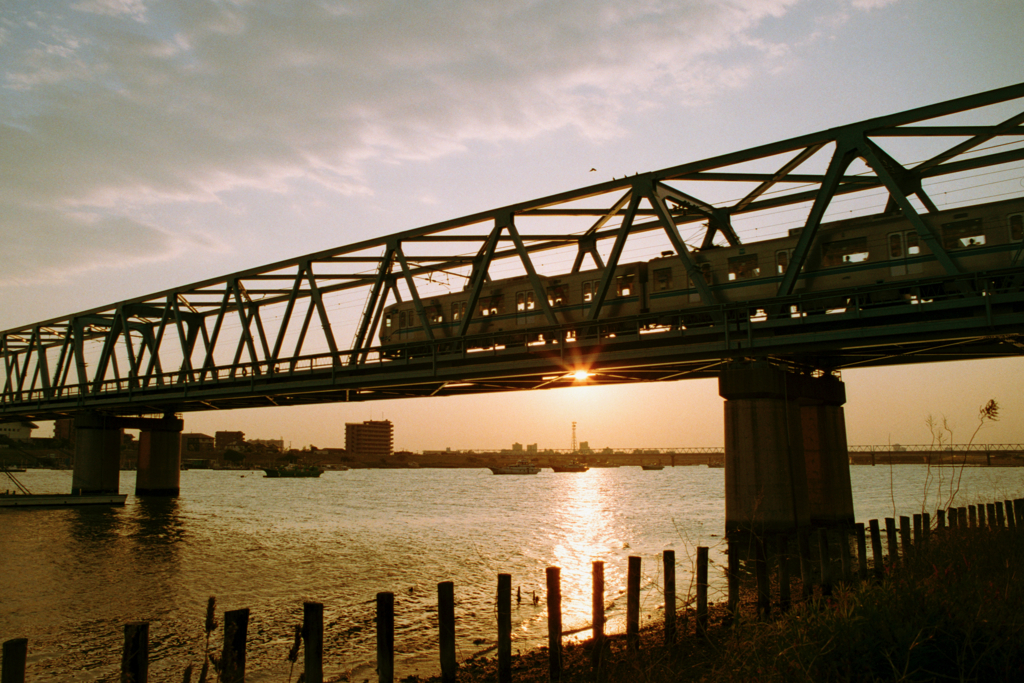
[(581, 375)]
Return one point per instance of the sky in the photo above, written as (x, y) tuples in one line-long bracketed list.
[(145, 144)]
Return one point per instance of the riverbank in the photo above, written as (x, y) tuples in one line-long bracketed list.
[(950, 610)]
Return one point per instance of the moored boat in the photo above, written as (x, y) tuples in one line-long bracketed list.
[(652, 466), (521, 467), (574, 466), (293, 471)]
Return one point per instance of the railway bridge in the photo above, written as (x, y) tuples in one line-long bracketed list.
[(889, 241)]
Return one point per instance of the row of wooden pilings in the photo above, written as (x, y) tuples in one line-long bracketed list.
[(911, 531)]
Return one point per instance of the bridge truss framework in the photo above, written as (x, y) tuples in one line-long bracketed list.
[(276, 335)]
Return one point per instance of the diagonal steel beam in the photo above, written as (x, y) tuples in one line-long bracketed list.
[(843, 155), (653, 192)]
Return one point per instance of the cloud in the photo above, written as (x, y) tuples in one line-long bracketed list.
[(46, 246), (110, 106)]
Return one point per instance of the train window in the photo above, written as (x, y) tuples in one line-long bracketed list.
[(842, 252), (458, 310), (434, 315), (963, 234), (588, 292), (662, 279), (387, 321), (623, 285), (558, 296), (401, 320), (782, 261), (743, 267), (490, 305), (895, 246), (525, 301), (1017, 227)]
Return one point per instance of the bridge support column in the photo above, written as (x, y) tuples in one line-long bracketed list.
[(159, 472), (97, 454), (765, 477), (827, 459)]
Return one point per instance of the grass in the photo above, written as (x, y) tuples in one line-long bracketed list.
[(954, 612)]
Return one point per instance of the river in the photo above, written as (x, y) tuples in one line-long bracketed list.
[(71, 578)]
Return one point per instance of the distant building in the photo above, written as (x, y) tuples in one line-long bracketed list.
[(531, 448), (517, 448), (585, 447), (225, 440), (373, 438), (273, 444), (194, 445), (17, 431)]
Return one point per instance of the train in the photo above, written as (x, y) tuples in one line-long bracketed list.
[(847, 254)]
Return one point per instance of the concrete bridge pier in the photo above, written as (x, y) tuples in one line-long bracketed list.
[(765, 477), (827, 458), (97, 454), (159, 466), (786, 459)]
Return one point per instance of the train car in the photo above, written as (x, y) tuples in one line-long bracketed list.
[(845, 255)]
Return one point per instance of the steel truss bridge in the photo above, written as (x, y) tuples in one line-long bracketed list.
[(304, 330)]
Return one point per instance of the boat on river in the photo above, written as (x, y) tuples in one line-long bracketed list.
[(574, 466), (293, 471), (652, 466), (521, 467)]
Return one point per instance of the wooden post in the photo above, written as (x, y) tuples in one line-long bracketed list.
[(702, 589), (135, 656), (785, 598), (951, 518), (597, 616), (734, 576), (926, 526), (633, 603), (668, 559), (554, 623), (446, 628), (862, 552), (991, 510), (232, 658), (15, 654), (1000, 519), (917, 529), (385, 637), (972, 516), (905, 538), (961, 517), (876, 548), (764, 596), (890, 537), (804, 548), (826, 562), (1011, 519), (1018, 509), (845, 561), (940, 519), (313, 641), (504, 628)]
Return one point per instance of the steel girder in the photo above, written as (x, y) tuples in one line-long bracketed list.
[(269, 325)]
